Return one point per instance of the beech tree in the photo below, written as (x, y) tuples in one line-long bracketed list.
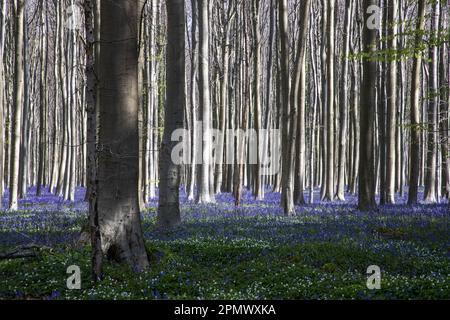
[(91, 93), (169, 185), (19, 41), (117, 191), (415, 108), (366, 194)]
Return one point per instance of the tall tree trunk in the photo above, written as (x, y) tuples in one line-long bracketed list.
[(444, 111), (42, 100), (330, 186), (118, 156), (258, 187), (91, 16), (392, 105), (2, 98), (56, 96), (287, 194), (415, 108), (203, 183), (193, 101), (324, 99), (366, 196), (169, 172), (19, 11), (299, 99), (430, 194), (343, 102)]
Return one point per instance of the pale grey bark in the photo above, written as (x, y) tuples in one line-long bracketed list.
[(56, 96), (330, 186), (343, 101), (203, 182), (415, 108), (430, 194), (19, 11), (392, 104), (299, 99), (3, 9)]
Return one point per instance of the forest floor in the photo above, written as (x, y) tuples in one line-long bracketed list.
[(251, 252)]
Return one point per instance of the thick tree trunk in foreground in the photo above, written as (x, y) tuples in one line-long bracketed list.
[(91, 24), (366, 196), (169, 183), (118, 155), (19, 11), (415, 109)]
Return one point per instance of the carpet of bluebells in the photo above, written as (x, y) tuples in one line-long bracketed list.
[(250, 252)]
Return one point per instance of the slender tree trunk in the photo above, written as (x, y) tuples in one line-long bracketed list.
[(444, 111), (287, 194), (324, 99), (2, 98), (43, 101), (19, 11), (203, 183), (430, 194), (299, 99), (56, 96), (392, 105), (415, 109), (330, 192), (193, 102), (344, 102)]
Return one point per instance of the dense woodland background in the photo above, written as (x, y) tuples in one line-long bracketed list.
[(90, 92)]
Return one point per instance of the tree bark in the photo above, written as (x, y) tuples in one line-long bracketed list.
[(203, 182), (43, 101), (330, 186), (2, 98), (392, 105), (118, 155), (415, 108), (91, 16), (366, 196), (19, 11), (343, 102), (430, 194), (169, 183), (287, 194)]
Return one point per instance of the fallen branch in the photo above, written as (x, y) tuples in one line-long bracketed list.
[(28, 251)]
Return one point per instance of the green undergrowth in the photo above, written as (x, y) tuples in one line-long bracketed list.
[(234, 269)]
